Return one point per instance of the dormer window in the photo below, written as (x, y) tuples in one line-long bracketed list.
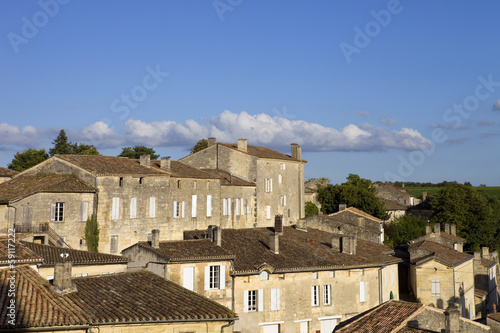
[(264, 276)]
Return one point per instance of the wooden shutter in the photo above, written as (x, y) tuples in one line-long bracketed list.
[(229, 206), (53, 212), (209, 205), (133, 208), (260, 300), (207, 277), (194, 203), (175, 208), (222, 277), (182, 208), (275, 299), (152, 207), (245, 300), (362, 291)]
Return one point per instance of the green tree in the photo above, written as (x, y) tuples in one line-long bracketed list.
[(137, 151), (92, 234), (403, 229), (83, 149), (356, 192), (200, 145), (311, 209), (470, 211), (28, 158), (61, 145)]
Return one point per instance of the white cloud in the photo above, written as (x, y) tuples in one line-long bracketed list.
[(13, 135), (496, 106), (100, 134)]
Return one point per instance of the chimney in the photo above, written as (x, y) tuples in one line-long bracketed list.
[(62, 278), (453, 229), (296, 152), (424, 195), (242, 144), (452, 319), (428, 229), (211, 141), (486, 252), (278, 224), (447, 228), (155, 239), (477, 255), (145, 160), (337, 243), (437, 229), (342, 207), (274, 243), (349, 244), (165, 164), (215, 234)]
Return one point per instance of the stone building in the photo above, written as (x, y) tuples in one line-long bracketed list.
[(485, 279), (6, 174), (278, 178), (291, 280)]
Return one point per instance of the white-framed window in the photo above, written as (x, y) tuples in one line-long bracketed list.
[(224, 207), (115, 209), (268, 212), (152, 207), (57, 213), (315, 275), (113, 244), (280, 179), (269, 185), (133, 208), (177, 209), (215, 277), (83, 212), (435, 288), (253, 300), (264, 275), (332, 274), (314, 295), (242, 206), (362, 291), (275, 299), (209, 205), (229, 207), (237, 207), (327, 295), (194, 203), (361, 272)]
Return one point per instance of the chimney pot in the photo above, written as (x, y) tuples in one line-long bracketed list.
[(477, 255), (145, 160), (296, 152), (62, 278), (437, 229), (212, 141), (486, 252), (155, 239), (274, 243), (447, 228), (453, 229), (242, 145), (342, 207), (452, 319), (165, 164)]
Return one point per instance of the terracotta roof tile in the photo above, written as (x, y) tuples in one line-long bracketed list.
[(22, 254), (262, 152), (181, 170), (451, 237), (227, 179), (297, 250), (4, 172), (356, 211), (25, 185), (442, 253), (392, 205), (488, 262)]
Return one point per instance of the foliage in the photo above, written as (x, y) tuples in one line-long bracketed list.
[(403, 229), (200, 145), (83, 149), (356, 192), (137, 151), (92, 234), (63, 146), (311, 209), (470, 211), (28, 158)]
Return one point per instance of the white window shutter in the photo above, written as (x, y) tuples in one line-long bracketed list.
[(175, 208), (245, 300), (284, 200), (229, 206), (224, 206), (209, 205), (194, 203), (278, 296), (362, 291), (275, 299), (207, 277), (260, 299), (152, 207), (242, 206), (53, 212), (133, 208), (115, 209), (80, 212), (237, 207), (313, 303), (279, 179), (268, 212), (438, 288), (270, 185), (182, 209), (222, 277)]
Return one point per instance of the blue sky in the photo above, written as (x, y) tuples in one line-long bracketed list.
[(406, 90)]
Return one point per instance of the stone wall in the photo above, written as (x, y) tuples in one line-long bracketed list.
[(329, 224)]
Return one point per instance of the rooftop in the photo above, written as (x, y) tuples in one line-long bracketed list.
[(181, 170), (261, 152), (358, 212), (4, 172), (430, 250), (23, 254)]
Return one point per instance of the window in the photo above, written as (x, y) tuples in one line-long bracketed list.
[(120, 182), (176, 209), (327, 295), (194, 203), (269, 185), (209, 205), (57, 212), (229, 206), (195, 184), (141, 179), (178, 184), (133, 208), (115, 209), (268, 212), (242, 206), (253, 300), (279, 179), (332, 274), (83, 212), (362, 291), (224, 206), (264, 276), (113, 244), (315, 295), (208, 185), (152, 207), (179, 209), (215, 277), (275, 299), (361, 272), (315, 275), (284, 200), (237, 207), (435, 288)]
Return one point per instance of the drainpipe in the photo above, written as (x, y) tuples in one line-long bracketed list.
[(227, 325), (380, 291)]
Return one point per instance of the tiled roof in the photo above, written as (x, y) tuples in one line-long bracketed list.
[(110, 165), (25, 185), (298, 250), (261, 152), (392, 205), (488, 262), (451, 237), (52, 255), (4, 172), (187, 250), (181, 170), (440, 252), (124, 297), (385, 318), (22, 253), (227, 179), (356, 211)]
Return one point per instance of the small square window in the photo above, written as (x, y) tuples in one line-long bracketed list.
[(315, 275)]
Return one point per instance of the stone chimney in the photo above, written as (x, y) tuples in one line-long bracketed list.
[(278, 224), (477, 255), (155, 238), (242, 144), (274, 243), (342, 207), (437, 229), (336, 243), (428, 229), (447, 228), (215, 234), (296, 152), (349, 244), (486, 252), (62, 278), (145, 160), (165, 164), (211, 141), (453, 229), (424, 196), (452, 319)]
